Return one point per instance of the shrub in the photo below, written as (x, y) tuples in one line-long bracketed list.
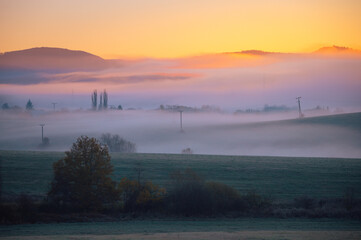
[(190, 195), (224, 198), (304, 202), (135, 196)]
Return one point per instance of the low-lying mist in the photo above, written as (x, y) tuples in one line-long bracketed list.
[(268, 134)]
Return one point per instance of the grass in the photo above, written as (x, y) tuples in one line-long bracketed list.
[(176, 226), (281, 178)]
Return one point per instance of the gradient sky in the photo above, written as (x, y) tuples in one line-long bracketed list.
[(169, 28)]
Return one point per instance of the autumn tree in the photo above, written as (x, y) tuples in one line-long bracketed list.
[(82, 179)]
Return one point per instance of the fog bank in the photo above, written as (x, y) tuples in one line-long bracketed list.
[(205, 133)]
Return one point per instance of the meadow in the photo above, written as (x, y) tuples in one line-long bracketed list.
[(281, 178)]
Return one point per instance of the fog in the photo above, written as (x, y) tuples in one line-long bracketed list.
[(205, 133), (228, 81)]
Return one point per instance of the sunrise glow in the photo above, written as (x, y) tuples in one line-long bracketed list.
[(166, 29)]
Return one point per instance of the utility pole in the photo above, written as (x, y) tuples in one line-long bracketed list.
[(42, 132), (181, 120), (54, 103), (300, 115)]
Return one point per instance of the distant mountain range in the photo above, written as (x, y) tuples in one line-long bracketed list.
[(64, 60), (45, 58), (324, 50)]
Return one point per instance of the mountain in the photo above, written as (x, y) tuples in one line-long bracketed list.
[(57, 59), (337, 50), (253, 52)]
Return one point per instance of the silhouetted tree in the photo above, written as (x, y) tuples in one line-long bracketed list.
[(105, 100), (118, 144), (29, 105), (187, 151), (5, 106), (120, 107), (100, 102), (82, 179), (94, 98)]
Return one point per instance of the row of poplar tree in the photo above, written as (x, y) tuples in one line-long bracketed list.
[(103, 100)]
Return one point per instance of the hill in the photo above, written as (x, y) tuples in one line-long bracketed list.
[(337, 50), (46, 58), (345, 120)]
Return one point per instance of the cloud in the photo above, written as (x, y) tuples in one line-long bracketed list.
[(28, 77), (120, 79)]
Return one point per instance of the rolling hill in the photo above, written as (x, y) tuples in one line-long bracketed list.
[(59, 59)]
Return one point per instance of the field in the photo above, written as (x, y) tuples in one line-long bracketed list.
[(277, 177), (280, 178)]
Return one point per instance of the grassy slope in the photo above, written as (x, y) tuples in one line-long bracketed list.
[(347, 120), (279, 177)]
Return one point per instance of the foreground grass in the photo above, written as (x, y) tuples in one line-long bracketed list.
[(173, 227), (243, 235), (278, 177)]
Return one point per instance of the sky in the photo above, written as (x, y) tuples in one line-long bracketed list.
[(169, 52), (171, 29)]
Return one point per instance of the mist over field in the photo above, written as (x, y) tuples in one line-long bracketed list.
[(328, 80), (271, 134)]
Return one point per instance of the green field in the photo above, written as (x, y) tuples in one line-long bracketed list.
[(282, 178)]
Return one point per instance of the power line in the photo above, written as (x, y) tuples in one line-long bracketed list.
[(42, 132), (54, 105), (300, 114)]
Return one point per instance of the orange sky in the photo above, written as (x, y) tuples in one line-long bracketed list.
[(172, 28)]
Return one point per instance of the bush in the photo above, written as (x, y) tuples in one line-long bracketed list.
[(188, 194), (117, 144), (224, 198), (304, 202), (137, 197), (82, 179)]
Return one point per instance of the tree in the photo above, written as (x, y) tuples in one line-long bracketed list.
[(100, 102), (82, 178), (187, 151), (117, 144), (29, 105), (105, 101), (5, 106), (120, 107), (94, 98)]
